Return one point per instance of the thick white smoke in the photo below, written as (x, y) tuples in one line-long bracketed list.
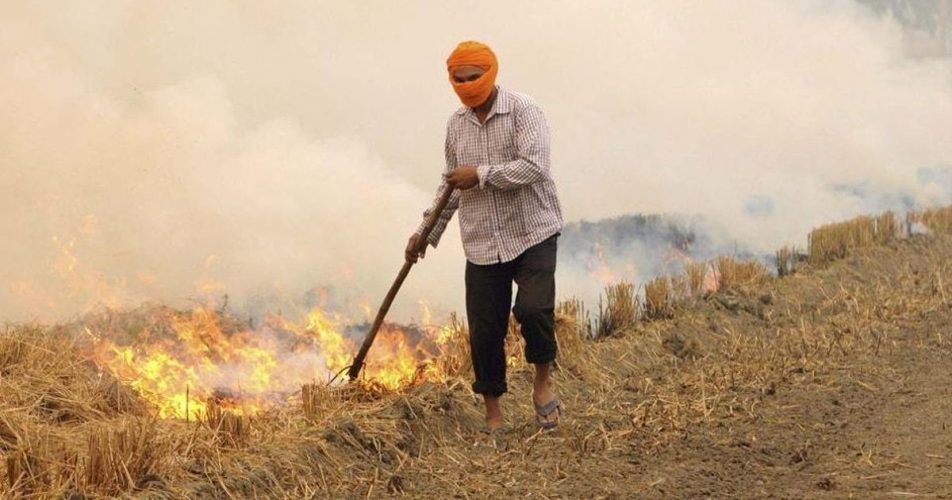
[(190, 150), (171, 198)]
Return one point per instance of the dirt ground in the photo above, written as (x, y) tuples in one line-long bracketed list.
[(831, 383)]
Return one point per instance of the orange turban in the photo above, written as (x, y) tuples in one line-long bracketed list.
[(476, 54)]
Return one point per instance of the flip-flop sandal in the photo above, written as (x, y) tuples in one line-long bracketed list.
[(498, 431), (543, 411)]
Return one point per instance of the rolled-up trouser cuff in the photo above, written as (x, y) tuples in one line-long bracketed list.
[(494, 389), (536, 357)]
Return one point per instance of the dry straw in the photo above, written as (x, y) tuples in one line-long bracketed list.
[(887, 228), (659, 298), (454, 359), (732, 273), (836, 241), (38, 464), (695, 273), (312, 397), (618, 312), (937, 220), (515, 345), (572, 329), (120, 458), (67, 431), (787, 261), (230, 429)]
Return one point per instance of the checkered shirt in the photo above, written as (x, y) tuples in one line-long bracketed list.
[(515, 205)]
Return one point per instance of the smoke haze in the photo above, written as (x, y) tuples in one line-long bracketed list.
[(177, 152)]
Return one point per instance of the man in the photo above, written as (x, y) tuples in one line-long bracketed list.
[(497, 159)]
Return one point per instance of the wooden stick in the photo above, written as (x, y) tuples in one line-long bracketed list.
[(397, 283)]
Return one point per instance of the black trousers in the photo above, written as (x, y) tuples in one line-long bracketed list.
[(488, 298)]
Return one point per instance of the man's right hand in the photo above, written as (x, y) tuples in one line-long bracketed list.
[(412, 253)]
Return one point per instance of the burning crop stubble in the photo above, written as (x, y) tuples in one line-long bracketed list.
[(149, 154), (183, 361)]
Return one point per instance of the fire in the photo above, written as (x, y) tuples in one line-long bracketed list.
[(180, 361), (603, 272), (186, 359), (599, 269), (70, 282)]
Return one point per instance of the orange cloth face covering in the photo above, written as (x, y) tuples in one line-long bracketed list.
[(476, 92)]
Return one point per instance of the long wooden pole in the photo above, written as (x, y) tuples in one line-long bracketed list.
[(358, 363)]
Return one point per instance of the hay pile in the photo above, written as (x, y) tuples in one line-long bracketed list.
[(679, 359)]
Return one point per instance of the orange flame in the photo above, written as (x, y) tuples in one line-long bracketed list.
[(179, 360), (198, 356)]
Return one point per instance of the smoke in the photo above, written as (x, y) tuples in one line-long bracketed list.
[(169, 197), (283, 155), (770, 118)]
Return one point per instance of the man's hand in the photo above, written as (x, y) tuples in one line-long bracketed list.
[(462, 178), (411, 252)]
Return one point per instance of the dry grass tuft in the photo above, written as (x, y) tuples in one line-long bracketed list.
[(230, 429), (574, 316), (619, 311), (312, 397), (572, 328), (39, 466), (11, 432), (659, 298), (455, 360), (937, 220), (787, 261), (695, 273), (122, 459), (732, 273), (836, 241), (887, 228), (30, 347), (118, 398)]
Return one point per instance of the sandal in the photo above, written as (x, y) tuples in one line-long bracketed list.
[(497, 431), (543, 411)]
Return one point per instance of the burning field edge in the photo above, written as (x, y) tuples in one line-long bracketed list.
[(651, 366)]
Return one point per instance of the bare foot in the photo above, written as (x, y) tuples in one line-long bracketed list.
[(494, 422), (494, 418)]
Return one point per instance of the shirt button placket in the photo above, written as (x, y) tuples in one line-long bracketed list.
[(494, 215)]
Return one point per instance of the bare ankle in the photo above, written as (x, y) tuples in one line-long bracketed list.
[(542, 379), (493, 408)]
